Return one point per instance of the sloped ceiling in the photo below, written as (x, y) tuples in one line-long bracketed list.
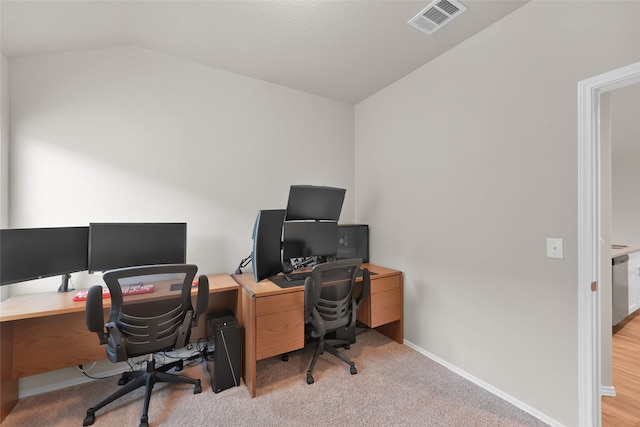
[(344, 50)]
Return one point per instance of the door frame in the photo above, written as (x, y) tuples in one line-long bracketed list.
[(589, 236)]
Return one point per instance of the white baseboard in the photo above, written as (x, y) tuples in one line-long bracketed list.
[(56, 380), (491, 389)]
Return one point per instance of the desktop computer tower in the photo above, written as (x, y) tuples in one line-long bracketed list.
[(224, 368), (353, 242)]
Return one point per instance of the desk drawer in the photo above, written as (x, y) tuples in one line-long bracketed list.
[(279, 303), (384, 305), (385, 284), (279, 324)]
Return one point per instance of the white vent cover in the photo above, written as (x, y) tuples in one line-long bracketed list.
[(437, 15)]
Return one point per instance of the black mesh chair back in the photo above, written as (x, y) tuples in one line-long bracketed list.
[(138, 328)]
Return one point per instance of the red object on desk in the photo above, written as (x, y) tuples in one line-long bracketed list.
[(126, 290)]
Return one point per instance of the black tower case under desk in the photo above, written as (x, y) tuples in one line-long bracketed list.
[(224, 369)]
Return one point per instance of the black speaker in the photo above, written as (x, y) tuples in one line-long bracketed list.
[(353, 242), (224, 369)]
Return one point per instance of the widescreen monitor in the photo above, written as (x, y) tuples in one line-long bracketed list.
[(266, 257), (309, 239), (34, 253), (117, 245), (353, 242), (310, 202)]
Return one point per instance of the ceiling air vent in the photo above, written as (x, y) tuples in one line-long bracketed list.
[(437, 15)]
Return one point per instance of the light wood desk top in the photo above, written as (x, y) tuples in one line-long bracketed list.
[(267, 287), (29, 306)]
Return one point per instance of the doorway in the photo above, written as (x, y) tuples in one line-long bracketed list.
[(589, 236)]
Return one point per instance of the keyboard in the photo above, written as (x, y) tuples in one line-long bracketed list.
[(292, 277), (126, 291)]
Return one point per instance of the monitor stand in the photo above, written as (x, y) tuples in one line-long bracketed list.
[(64, 285)]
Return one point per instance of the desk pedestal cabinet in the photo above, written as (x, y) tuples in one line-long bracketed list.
[(47, 331), (273, 317)]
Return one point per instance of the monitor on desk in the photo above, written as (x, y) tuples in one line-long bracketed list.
[(314, 241), (310, 228), (353, 241), (312, 202), (34, 253), (266, 257), (117, 245)]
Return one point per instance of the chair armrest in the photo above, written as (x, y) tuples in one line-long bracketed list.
[(308, 298), (116, 349), (366, 286), (94, 313), (317, 324), (202, 300)]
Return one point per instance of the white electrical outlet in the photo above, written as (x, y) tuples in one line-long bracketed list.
[(555, 248)]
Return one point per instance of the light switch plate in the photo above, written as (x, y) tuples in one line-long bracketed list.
[(555, 248)]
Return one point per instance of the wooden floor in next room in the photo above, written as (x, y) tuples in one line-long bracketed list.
[(623, 410)]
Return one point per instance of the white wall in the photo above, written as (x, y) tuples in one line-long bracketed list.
[(625, 104), (476, 165), (4, 140), (4, 152), (126, 134)]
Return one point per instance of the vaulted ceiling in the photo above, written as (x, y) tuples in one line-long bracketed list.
[(344, 50)]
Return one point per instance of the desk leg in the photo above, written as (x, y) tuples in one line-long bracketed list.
[(248, 323), (393, 330), (8, 385)]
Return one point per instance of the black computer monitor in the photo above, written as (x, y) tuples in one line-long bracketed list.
[(266, 257), (303, 239), (117, 245), (353, 242), (34, 253), (310, 202)]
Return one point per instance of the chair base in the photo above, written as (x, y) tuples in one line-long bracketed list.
[(131, 381), (331, 347)]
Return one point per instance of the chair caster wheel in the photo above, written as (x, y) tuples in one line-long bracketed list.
[(309, 378), (197, 388), (124, 378), (90, 418), (353, 369), (144, 421)]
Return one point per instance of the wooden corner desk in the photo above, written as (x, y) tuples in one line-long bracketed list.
[(47, 331), (273, 317)]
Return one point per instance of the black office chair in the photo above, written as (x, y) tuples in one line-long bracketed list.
[(330, 308), (137, 328)]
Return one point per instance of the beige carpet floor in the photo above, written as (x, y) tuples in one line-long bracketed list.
[(395, 386)]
